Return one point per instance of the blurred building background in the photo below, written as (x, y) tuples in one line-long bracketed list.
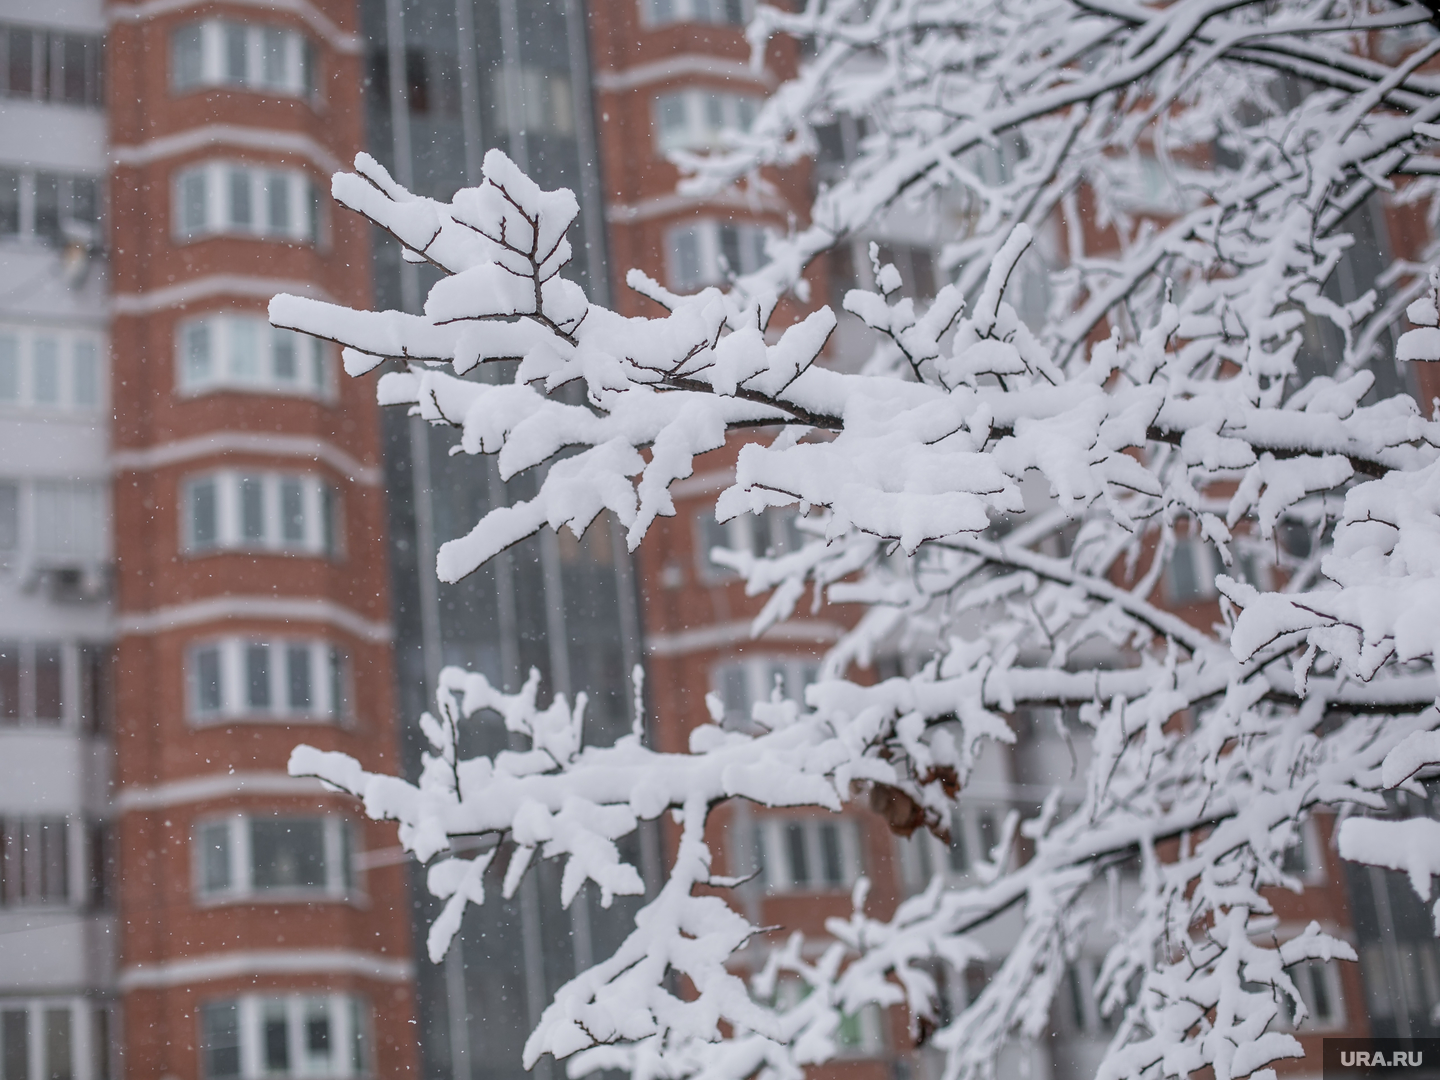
[(214, 546)]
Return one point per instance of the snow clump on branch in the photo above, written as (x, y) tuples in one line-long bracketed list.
[(1160, 403)]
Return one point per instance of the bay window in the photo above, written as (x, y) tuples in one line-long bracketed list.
[(259, 511), (244, 352), (242, 679), (220, 53), (301, 857), (708, 252), (245, 200), (701, 119), (294, 1035), (722, 12), (811, 854)]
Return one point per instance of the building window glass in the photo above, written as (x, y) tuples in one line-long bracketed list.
[(1194, 563), (741, 684), (51, 369), (34, 861), (235, 679), (56, 208), (812, 854), (254, 1037), (36, 678), (775, 532), (246, 857), (545, 103), (51, 66), (269, 59), (1319, 986), (701, 119), (258, 511), (723, 12), (58, 1032), (245, 200), (241, 352), (711, 252)]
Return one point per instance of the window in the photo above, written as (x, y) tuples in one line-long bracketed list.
[(546, 105), (858, 1034), (69, 520), (1191, 573), (240, 857), (34, 861), (245, 200), (1194, 563), (741, 683), (38, 681), (915, 265), (709, 252), (241, 352), (9, 520), (51, 369), (56, 532), (58, 208), (52, 1039), (48, 65), (1305, 859), (974, 832), (813, 854), (284, 680), (271, 59), (728, 12), (260, 512), (251, 1037), (774, 532), (1319, 986), (701, 119)]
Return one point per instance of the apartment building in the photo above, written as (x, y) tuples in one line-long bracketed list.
[(57, 919), (213, 546), (258, 936), (194, 571)]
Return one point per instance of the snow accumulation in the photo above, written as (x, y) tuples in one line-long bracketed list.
[(1001, 497)]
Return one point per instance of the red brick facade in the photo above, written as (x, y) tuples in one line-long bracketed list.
[(181, 949)]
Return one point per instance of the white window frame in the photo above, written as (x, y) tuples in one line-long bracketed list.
[(313, 361), (74, 683), (57, 525), (349, 1019), (709, 119), (217, 181), (1205, 562), (338, 832), (703, 240), (319, 500), (1302, 974), (776, 872), (751, 534), (330, 697), (754, 677), (924, 854), (655, 13), (77, 841), (299, 60), (85, 1035), (72, 229), (21, 377)]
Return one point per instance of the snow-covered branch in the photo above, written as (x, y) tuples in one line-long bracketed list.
[(1003, 497)]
